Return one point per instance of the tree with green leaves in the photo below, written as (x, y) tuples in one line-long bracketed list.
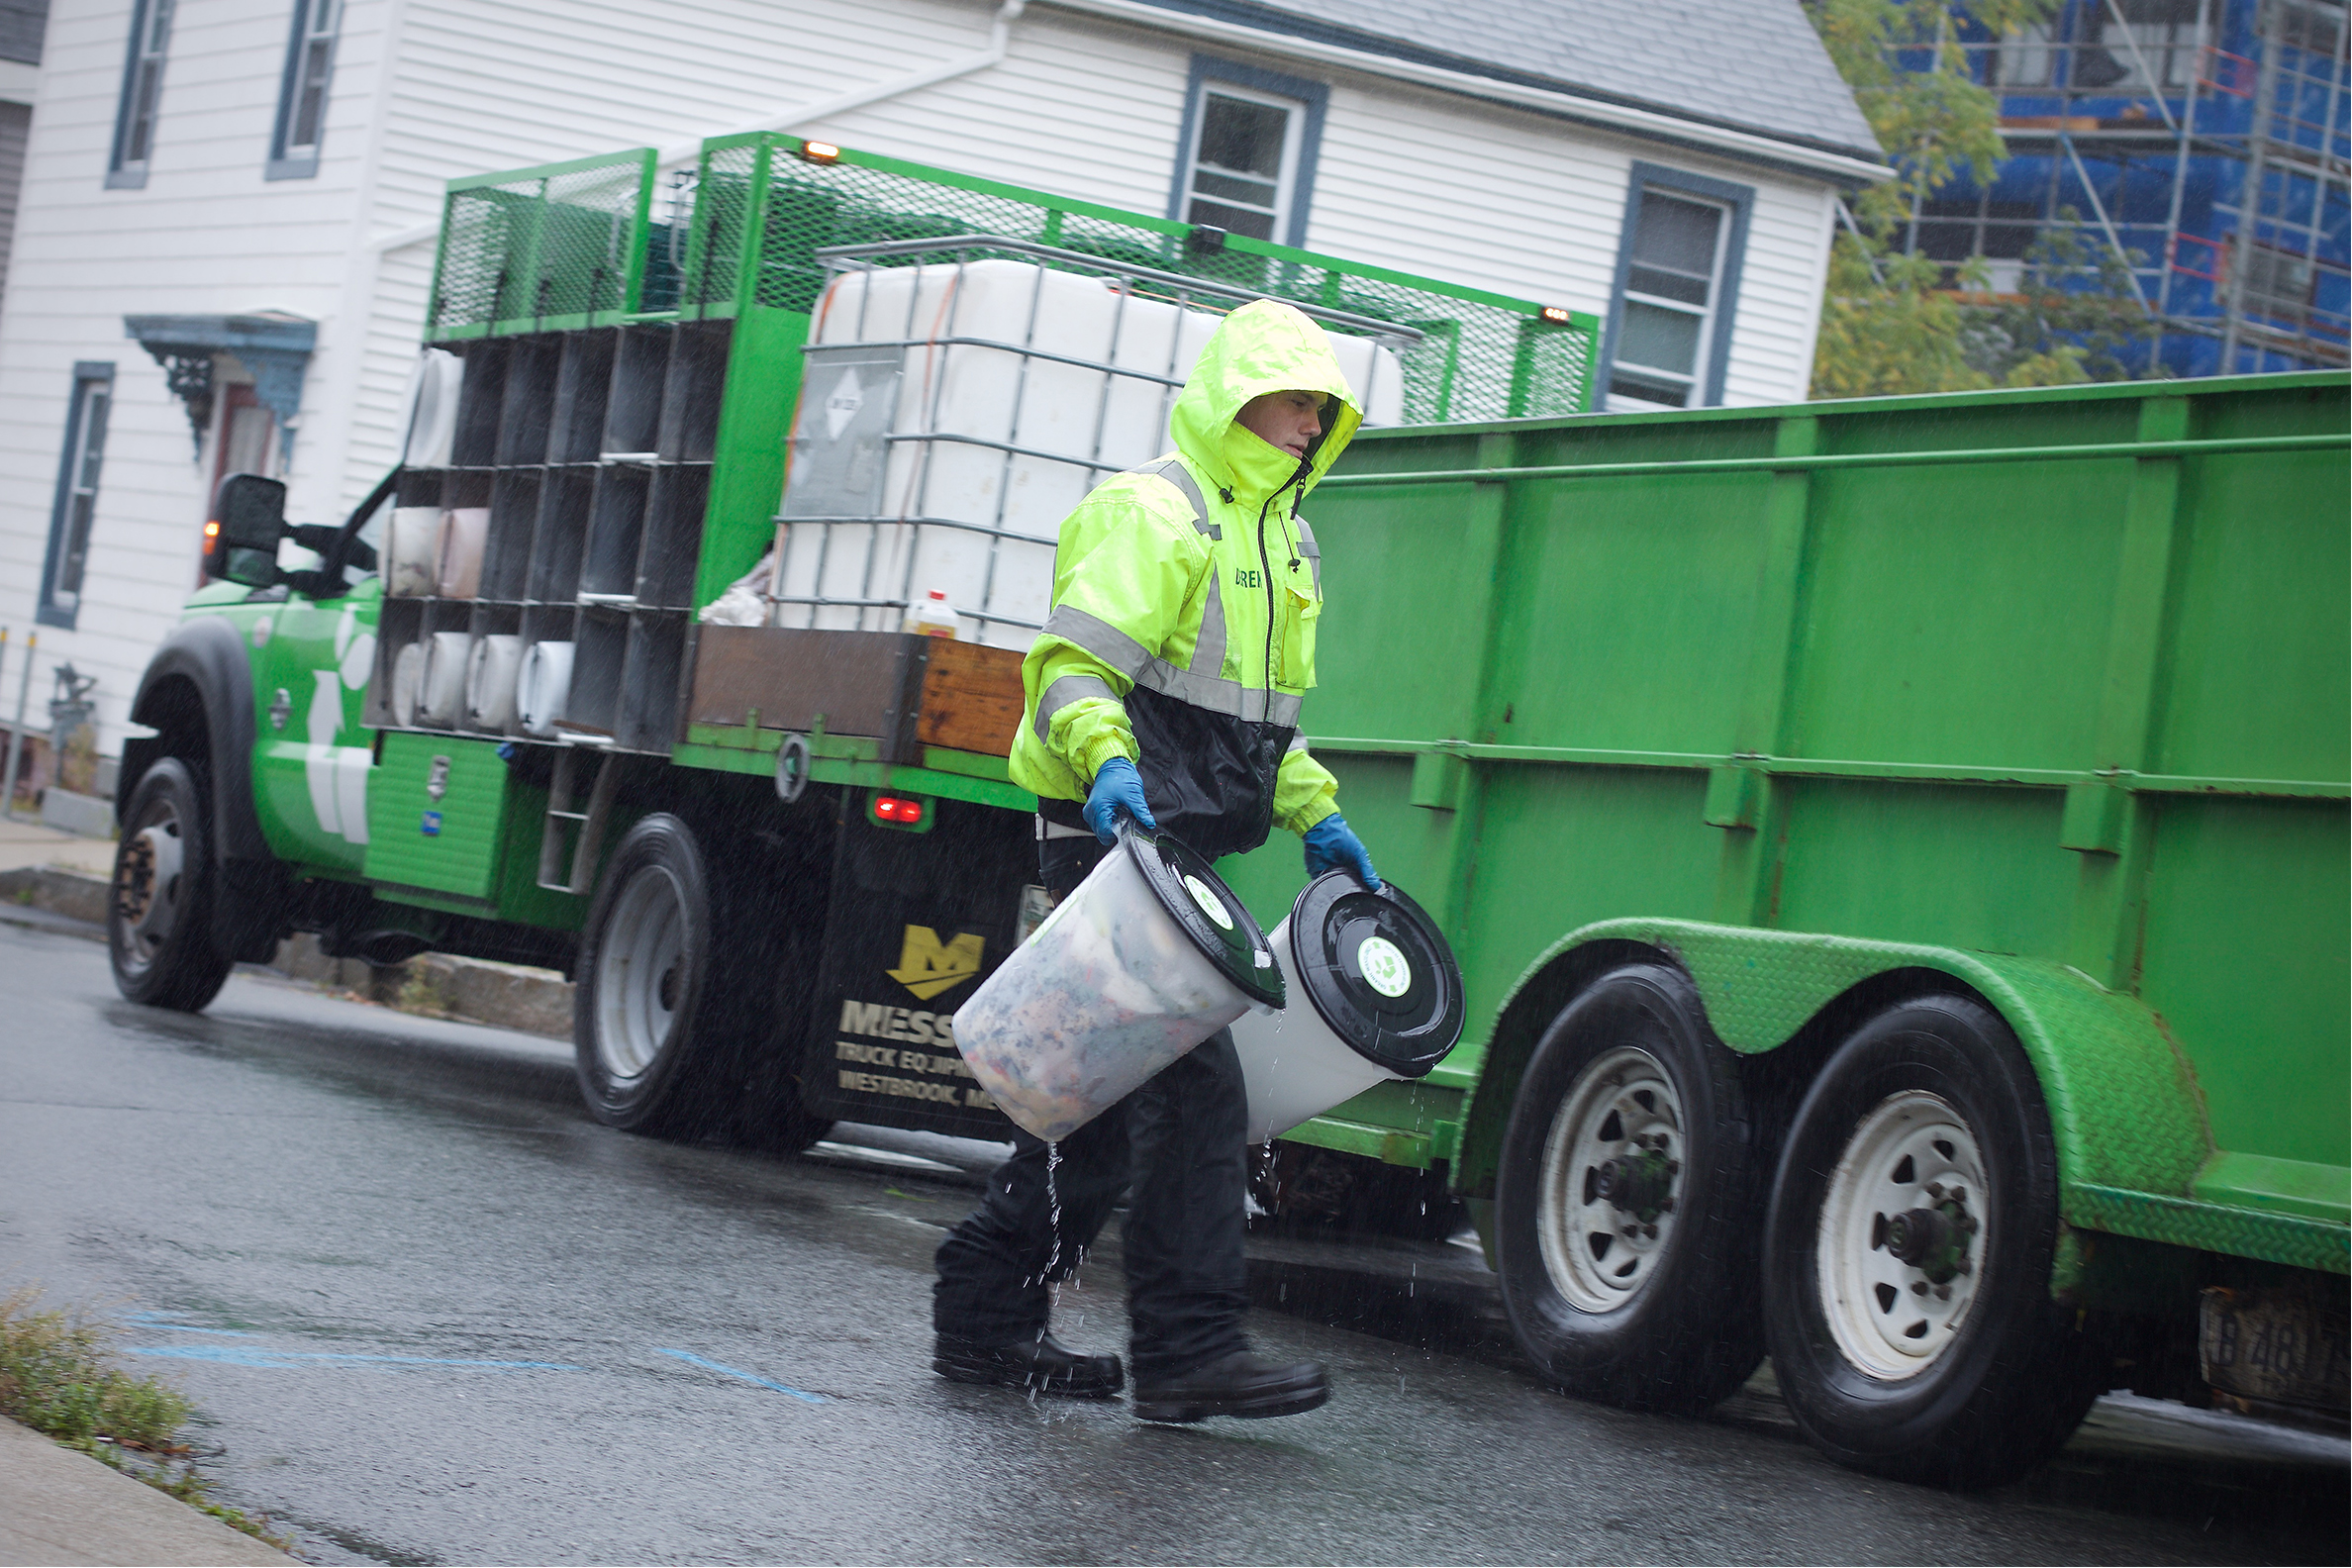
[(1892, 321)]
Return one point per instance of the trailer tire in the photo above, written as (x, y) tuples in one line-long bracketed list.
[(160, 904), (1629, 1200), (1922, 1343), (651, 1025)]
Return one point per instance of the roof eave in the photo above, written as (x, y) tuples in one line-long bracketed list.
[(1842, 165)]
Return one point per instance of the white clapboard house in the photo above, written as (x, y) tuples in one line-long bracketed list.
[(225, 238)]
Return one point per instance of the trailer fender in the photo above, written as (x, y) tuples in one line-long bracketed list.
[(199, 687), (2124, 1108)]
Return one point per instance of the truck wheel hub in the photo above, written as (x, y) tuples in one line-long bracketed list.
[(1901, 1235), (1611, 1173), (640, 973), (146, 885)]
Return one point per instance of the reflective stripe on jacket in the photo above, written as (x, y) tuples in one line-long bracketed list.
[(1184, 601)]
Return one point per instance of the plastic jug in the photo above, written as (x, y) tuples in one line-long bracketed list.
[(931, 616), (1147, 957), (1375, 996)]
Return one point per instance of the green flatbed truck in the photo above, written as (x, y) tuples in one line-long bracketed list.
[(1896, 850)]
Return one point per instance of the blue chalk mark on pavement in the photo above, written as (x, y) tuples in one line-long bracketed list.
[(688, 1355), (281, 1360)]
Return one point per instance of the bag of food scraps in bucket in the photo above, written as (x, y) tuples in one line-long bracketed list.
[(1147, 957)]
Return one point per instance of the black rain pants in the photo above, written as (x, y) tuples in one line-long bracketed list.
[(1175, 1146)]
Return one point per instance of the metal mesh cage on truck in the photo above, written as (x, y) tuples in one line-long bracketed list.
[(764, 207), (538, 249)]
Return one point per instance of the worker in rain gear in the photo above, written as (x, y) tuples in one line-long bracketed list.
[(1166, 687)]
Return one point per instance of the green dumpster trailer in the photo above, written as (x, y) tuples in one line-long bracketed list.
[(1895, 850)]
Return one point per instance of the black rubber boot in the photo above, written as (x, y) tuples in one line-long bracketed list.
[(1240, 1384), (1041, 1364)]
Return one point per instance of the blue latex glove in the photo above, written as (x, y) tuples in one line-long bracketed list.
[(1117, 787), (1332, 845)]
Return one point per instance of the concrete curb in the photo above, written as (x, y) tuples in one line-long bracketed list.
[(61, 1507), (56, 890), (434, 984)]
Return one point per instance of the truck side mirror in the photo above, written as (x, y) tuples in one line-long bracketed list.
[(249, 517)]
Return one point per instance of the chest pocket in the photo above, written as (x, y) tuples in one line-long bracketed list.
[(1298, 607)]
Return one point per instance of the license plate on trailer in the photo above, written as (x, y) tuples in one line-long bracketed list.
[(2283, 1345)]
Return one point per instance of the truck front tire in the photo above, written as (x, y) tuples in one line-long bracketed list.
[(160, 907), (1631, 1201), (1909, 1247)]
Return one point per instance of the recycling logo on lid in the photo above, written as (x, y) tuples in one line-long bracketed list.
[(1384, 966)]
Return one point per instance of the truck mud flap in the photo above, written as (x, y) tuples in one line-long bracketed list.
[(919, 919)]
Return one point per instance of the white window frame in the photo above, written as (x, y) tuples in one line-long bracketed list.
[(1701, 364), (1293, 134), (310, 66), (142, 85)]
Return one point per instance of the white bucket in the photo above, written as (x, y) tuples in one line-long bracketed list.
[(440, 696), (544, 687), (411, 552), (459, 572), (491, 673), (1147, 957), (1375, 997)]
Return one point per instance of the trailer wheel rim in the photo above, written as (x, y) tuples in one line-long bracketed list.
[(640, 974), (148, 881), (1902, 1245), (1602, 1242)]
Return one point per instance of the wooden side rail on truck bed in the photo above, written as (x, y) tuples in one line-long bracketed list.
[(906, 691)]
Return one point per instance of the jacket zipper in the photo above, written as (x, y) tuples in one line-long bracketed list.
[(1266, 570)]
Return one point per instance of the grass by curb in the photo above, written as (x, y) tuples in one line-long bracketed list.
[(60, 1374)]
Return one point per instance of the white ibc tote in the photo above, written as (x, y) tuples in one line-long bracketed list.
[(952, 412)]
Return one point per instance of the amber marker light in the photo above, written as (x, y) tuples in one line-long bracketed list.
[(212, 530), (821, 153), (1558, 315)]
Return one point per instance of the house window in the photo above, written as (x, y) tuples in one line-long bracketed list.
[(301, 94), (1246, 164), (77, 494), (2023, 58), (143, 88), (1678, 273), (2155, 46)]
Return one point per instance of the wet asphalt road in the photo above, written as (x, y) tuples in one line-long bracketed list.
[(430, 1313)]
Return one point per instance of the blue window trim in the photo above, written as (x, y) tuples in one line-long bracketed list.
[(1741, 199), (1315, 95), (47, 612), (117, 176), (303, 165)]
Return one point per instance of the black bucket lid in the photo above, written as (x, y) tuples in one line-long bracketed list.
[(1378, 971), (1205, 911)]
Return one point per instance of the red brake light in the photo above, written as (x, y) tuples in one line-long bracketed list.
[(898, 809)]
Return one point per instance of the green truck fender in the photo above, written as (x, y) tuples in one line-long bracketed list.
[(197, 694), (198, 691), (2124, 1109)]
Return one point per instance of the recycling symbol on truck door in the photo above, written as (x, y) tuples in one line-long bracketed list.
[(338, 774)]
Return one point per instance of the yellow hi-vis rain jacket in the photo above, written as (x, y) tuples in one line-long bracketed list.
[(1185, 599)]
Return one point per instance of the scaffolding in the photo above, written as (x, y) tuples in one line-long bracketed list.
[(2202, 143)]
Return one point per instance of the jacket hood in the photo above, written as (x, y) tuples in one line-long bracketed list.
[(1265, 346)]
